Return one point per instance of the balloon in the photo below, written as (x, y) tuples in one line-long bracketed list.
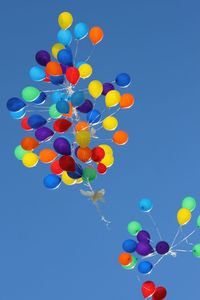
[(37, 73), (69, 115), (20, 152), (162, 247), (148, 289), (183, 216), (62, 146), (66, 179), (40, 99), (126, 101), (62, 106), (42, 57), (123, 80), (61, 125), (110, 123), (53, 68), (77, 98), (84, 154), (85, 70), (77, 174), (108, 160), (144, 248), (24, 124), (93, 116), (52, 181), (112, 98), (86, 107), (198, 221), (56, 48), (107, 87), (43, 134), (79, 180), (196, 250), (30, 160), (89, 174), (97, 154), (101, 168), (134, 227), (72, 75), (129, 246), (64, 37), (15, 104), (80, 30), (57, 96), (29, 143), (65, 57), (132, 264), (189, 203), (107, 149), (81, 125), (65, 20), (143, 236), (36, 121), (83, 138), (125, 259), (55, 167), (30, 93), (120, 137), (145, 205), (57, 79), (47, 155), (54, 114), (95, 88), (18, 114), (96, 35), (145, 267), (67, 163), (160, 293)]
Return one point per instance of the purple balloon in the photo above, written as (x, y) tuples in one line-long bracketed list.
[(64, 68), (42, 57), (107, 87), (62, 146), (43, 134), (143, 236), (144, 249), (86, 107), (162, 247)]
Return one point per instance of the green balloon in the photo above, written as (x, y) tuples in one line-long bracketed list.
[(134, 227), (53, 112), (20, 152), (30, 93), (198, 221), (89, 174), (132, 264), (196, 250), (189, 203)]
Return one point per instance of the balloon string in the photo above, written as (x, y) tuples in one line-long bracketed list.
[(76, 51), (185, 238), (159, 260), (155, 225), (54, 90), (91, 54), (182, 250), (175, 237)]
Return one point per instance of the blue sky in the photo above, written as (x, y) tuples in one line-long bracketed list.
[(53, 245)]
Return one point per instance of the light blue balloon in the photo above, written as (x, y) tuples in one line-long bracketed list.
[(64, 37), (37, 74), (57, 96), (81, 30), (17, 115), (145, 267), (145, 205), (78, 64)]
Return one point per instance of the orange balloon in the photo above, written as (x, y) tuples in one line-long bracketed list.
[(126, 101), (96, 35), (47, 155), (125, 259), (29, 143), (82, 125), (53, 68), (120, 137), (69, 114), (84, 154)]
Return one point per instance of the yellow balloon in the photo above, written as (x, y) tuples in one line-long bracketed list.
[(95, 88), (106, 148), (112, 98), (85, 70), (83, 138), (56, 48), (183, 216), (30, 160), (65, 20), (110, 123), (66, 179), (80, 180), (108, 160)]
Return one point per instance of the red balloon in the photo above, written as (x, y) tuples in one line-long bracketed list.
[(160, 293), (97, 154), (101, 168), (72, 75), (67, 163), (24, 124), (55, 167), (61, 125), (148, 289)]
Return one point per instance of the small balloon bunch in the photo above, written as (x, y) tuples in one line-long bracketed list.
[(149, 289), (64, 122)]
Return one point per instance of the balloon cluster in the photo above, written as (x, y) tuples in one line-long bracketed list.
[(64, 122), (149, 289)]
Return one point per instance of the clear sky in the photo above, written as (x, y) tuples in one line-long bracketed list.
[(53, 245)]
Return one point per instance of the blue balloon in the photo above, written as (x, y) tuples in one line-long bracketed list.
[(36, 121), (51, 181), (145, 267), (15, 104), (62, 107), (77, 98), (57, 96), (18, 114), (40, 99), (77, 173), (129, 246), (57, 79), (93, 116), (64, 37), (123, 80), (65, 57), (81, 30), (37, 74), (78, 64), (145, 205)]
